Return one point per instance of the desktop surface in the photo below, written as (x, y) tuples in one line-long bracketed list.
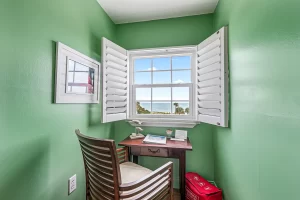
[(185, 145)]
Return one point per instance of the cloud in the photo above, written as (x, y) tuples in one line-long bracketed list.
[(153, 69), (179, 81)]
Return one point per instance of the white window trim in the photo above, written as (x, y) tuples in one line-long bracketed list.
[(187, 121)]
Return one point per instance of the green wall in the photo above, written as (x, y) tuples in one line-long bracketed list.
[(164, 33), (38, 148), (257, 158)]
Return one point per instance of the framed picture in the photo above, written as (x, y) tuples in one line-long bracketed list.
[(77, 77)]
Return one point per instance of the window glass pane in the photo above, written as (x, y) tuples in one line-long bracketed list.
[(143, 64), (180, 93), (81, 77), (70, 77), (161, 64), (71, 65), (143, 94), (79, 89), (161, 108), (142, 77), (143, 107), (181, 62), (180, 108), (181, 76), (161, 93), (161, 77), (80, 67)]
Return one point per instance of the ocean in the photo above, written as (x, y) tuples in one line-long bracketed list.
[(162, 106)]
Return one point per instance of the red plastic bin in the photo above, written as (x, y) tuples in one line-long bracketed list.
[(197, 188)]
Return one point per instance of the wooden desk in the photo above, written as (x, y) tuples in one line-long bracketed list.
[(173, 149)]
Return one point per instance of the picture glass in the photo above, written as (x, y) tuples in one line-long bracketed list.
[(81, 79)]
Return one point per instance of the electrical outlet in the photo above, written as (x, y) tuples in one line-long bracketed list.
[(72, 184)]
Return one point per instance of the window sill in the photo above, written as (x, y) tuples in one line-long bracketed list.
[(155, 122)]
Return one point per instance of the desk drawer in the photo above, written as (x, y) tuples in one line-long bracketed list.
[(150, 151)]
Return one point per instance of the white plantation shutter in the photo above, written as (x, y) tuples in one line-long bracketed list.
[(212, 79), (114, 82)]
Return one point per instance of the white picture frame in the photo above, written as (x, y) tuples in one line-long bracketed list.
[(85, 87)]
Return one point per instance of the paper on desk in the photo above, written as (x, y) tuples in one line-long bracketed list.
[(181, 134)]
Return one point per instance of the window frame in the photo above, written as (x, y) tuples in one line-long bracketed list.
[(159, 53)]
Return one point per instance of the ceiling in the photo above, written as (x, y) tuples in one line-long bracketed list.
[(127, 11)]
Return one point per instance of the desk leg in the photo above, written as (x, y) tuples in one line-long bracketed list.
[(182, 165), (132, 158), (135, 159)]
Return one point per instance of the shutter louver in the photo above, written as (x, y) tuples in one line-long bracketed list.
[(212, 79), (114, 82)]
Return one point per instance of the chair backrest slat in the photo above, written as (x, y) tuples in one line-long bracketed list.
[(98, 155), (95, 149), (99, 189), (91, 162), (105, 163), (101, 167), (99, 173), (100, 177)]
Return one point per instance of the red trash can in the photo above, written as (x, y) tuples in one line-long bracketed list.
[(197, 188)]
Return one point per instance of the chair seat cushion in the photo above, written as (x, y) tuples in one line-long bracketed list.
[(132, 172)]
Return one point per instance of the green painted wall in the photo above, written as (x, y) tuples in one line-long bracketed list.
[(38, 147), (163, 33), (257, 158)]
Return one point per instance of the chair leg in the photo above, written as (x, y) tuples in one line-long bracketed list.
[(171, 184)]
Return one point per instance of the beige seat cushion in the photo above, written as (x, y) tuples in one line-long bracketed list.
[(132, 172)]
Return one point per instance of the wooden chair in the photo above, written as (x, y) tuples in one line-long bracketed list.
[(109, 175)]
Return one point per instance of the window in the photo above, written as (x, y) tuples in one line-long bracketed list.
[(167, 87), (162, 85)]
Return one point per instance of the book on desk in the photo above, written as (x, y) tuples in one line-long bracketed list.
[(155, 139)]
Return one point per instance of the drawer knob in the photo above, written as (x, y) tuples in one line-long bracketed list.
[(157, 151)]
